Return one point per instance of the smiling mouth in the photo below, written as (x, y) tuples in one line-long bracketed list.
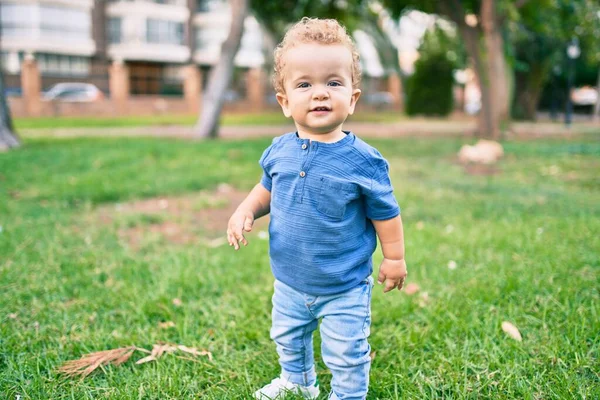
[(321, 109)]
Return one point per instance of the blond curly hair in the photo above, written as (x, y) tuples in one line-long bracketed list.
[(315, 30)]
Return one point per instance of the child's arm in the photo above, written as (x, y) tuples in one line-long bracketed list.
[(256, 204), (392, 270)]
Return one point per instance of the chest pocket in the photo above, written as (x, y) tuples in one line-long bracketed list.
[(334, 196)]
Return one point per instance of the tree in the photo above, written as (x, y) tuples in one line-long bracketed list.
[(275, 16), (8, 139), (220, 76), (539, 36), (480, 23), (586, 22), (429, 91)]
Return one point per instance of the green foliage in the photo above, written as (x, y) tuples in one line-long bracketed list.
[(539, 35), (429, 89), (524, 241), (277, 15)]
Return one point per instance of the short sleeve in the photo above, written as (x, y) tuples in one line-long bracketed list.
[(379, 197), (265, 164)]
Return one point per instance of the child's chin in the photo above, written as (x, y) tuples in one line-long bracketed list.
[(326, 126)]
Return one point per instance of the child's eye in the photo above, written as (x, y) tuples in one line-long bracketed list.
[(335, 83), (303, 85)]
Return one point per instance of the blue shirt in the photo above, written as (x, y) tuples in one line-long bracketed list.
[(323, 198)]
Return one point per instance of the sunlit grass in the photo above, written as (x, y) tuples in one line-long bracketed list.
[(245, 119), (525, 243)]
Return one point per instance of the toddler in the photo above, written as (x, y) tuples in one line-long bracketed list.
[(329, 195)]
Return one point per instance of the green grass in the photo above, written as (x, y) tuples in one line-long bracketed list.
[(526, 243), (265, 118)]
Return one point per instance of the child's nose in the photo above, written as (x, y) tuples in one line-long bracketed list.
[(320, 93)]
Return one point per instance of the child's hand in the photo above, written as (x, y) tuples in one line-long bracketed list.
[(239, 222), (393, 273)]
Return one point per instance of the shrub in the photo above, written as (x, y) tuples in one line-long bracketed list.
[(429, 89)]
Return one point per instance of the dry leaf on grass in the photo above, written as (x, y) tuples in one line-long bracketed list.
[(411, 289), (372, 355), (423, 299), (159, 349), (88, 363), (145, 360), (166, 325), (177, 302), (512, 331), (195, 352)]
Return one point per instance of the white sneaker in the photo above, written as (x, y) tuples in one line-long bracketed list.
[(279, 387)]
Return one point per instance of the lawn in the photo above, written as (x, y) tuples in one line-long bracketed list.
[(247, 119), (521, 245)]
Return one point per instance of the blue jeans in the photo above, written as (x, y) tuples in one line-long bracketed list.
[(345, 327)]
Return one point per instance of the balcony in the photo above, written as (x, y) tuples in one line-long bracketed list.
[(145, 30), (47, 27)]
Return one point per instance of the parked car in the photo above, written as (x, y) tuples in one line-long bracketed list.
[(13, 92), (584, 96), (379, 99), (74, 92)]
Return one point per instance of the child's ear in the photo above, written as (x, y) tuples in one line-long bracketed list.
[(283, 102), (353, 100)]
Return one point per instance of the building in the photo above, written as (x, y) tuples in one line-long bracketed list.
[(129, 48)]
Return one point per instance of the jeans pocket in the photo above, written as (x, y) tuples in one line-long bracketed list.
[(334, 196)]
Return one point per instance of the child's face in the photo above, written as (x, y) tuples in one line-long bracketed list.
[(318, 87)]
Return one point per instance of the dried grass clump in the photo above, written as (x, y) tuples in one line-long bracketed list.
[(90, 362)]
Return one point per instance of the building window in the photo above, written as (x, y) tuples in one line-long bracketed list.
[(164, 32), (209, 5), (10, 63), (209, 36), (169, 2), (65, 23), (62, 23), (56, 64), (16, 21), (113, 30)]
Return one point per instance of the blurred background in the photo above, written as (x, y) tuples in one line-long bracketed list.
[(538, 59)]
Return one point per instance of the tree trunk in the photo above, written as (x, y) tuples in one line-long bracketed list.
[(220, 76), (496, 69), (8, 138), (531, 85), (485, 48), (597, 105), (484, 119)]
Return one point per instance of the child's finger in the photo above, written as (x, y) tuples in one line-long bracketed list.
[(401, 283), (248, 222), (230, 237), (389, 285), (235, 238), (239, 237), (381, 277)]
